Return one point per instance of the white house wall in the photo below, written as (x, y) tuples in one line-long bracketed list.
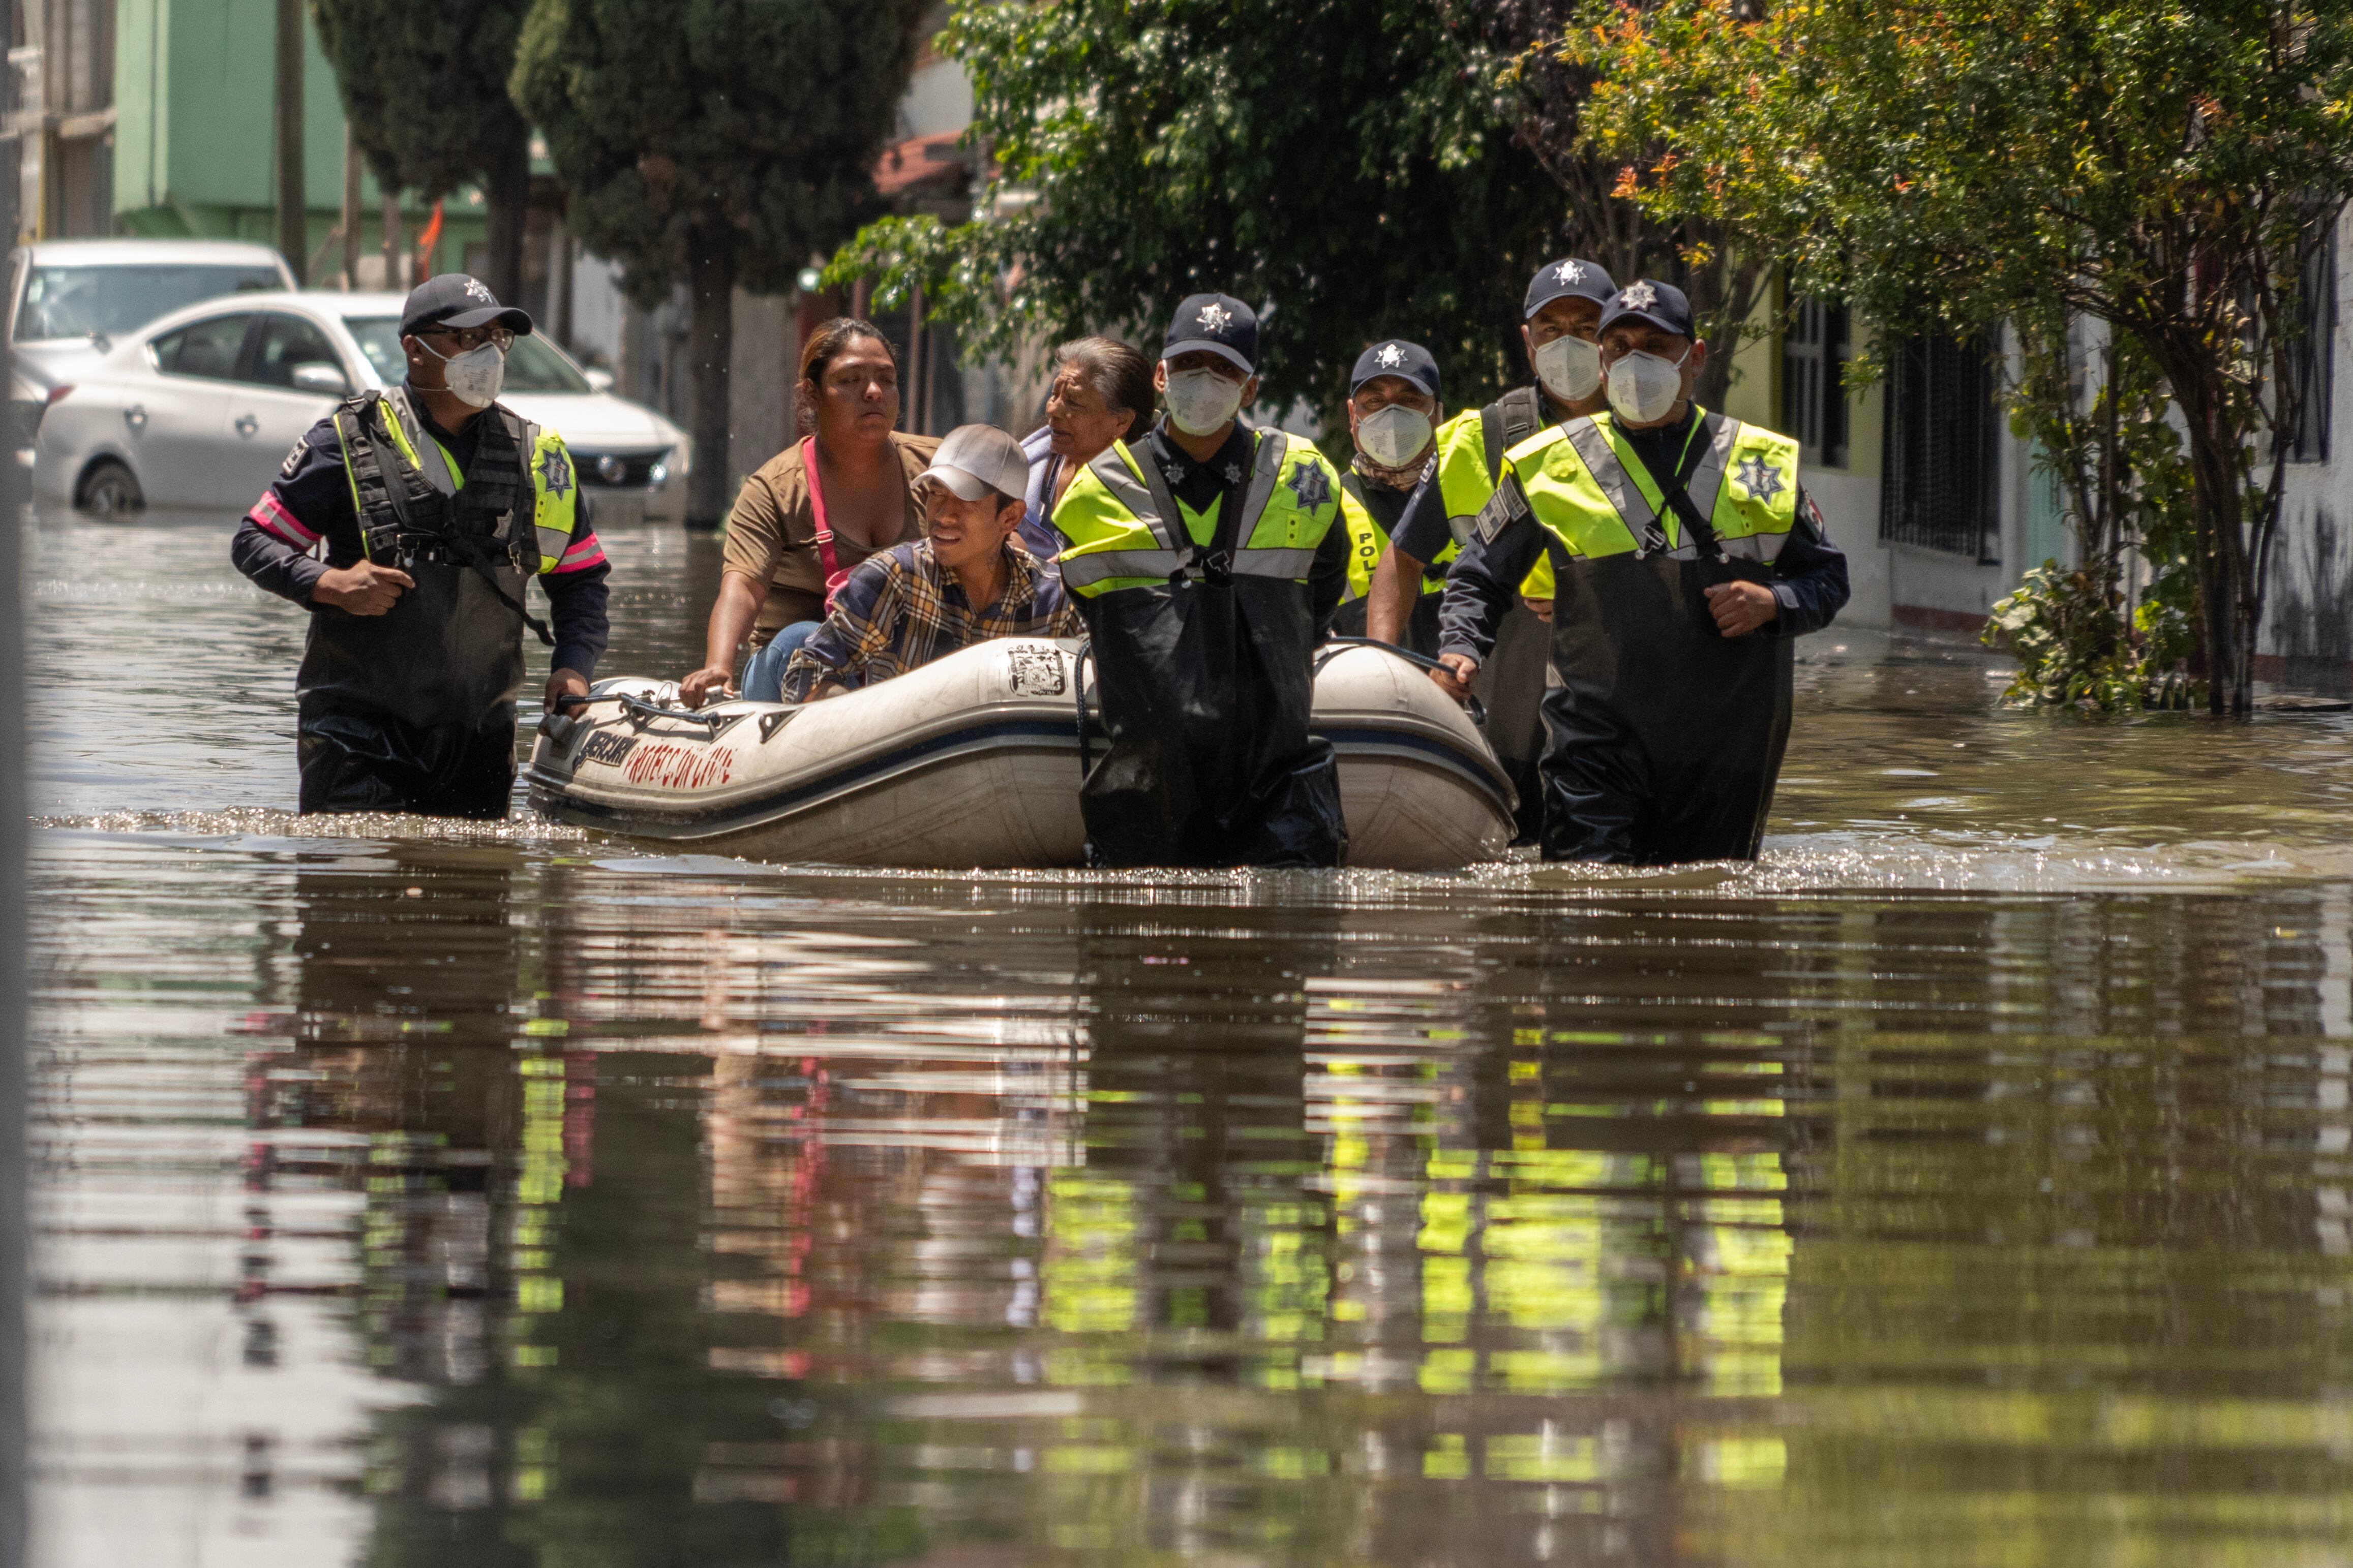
[(2308, 617)]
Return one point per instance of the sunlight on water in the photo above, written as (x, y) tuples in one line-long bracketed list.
[(1970, 1183)]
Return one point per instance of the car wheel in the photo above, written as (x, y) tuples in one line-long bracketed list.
[(111, 493)]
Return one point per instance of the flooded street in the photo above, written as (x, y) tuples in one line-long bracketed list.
[(1972, 1183)]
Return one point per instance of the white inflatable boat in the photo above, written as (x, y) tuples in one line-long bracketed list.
[(975, 760)]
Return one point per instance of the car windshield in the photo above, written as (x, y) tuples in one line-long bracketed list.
[(75, 301), (533, 364)]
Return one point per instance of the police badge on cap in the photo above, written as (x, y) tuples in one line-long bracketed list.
[(1217, 323)]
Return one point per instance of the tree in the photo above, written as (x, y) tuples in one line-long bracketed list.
[(424, 89), (720, 141), (1546, 109), (2161, 167), (1340, 163)]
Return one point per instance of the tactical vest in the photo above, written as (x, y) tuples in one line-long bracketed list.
[(1126, 529), (412, 499), (1593, 497)]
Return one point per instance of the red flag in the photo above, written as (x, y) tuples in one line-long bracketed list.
[(426, 241)]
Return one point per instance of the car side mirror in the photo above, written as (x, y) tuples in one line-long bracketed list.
[(599, 380), (326, 380)]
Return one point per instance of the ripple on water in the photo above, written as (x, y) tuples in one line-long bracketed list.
[(513, 1194)]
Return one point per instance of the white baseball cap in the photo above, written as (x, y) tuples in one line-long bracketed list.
[(979, 458)]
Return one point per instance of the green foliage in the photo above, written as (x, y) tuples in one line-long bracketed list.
[(424, 84), (2159, 166), (742, 130), (1349, 162), (2061, 626)]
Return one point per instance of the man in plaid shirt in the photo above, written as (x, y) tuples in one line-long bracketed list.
[(969, 579)]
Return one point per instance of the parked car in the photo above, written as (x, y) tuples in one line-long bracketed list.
[(198, 409), (68, 299)]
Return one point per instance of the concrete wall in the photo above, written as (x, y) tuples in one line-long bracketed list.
[(192, 135)]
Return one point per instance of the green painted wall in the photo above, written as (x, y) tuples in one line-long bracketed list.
[(192, 137)]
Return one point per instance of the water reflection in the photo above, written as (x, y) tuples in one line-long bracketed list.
[(415, 1195)]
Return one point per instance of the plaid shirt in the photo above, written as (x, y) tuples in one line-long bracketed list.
[(899, 610)]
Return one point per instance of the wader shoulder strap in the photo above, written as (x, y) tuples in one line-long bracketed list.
[(1600, 460), (383, 504), (1699, 478), (430, 457), (1506, 422)]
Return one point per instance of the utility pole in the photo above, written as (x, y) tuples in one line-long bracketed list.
[(351, 209), (293, 229), (15, 1174)]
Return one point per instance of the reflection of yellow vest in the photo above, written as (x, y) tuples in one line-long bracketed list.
[(1369, 541), (1464, 486), (1114, 517), (1591, 493)]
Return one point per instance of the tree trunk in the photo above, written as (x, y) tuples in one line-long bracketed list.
[(711, 335), (2226, 586), (293, 215), (506, 190)]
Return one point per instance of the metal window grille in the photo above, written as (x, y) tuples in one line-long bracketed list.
[(1938, 486), (1814, 384), (2311, 357)]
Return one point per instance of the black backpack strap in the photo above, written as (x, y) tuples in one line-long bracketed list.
[(1506, 422), (1673, 489)]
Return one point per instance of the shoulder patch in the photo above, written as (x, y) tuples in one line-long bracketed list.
[(295, 457), (1505, 507), (1813, 515)]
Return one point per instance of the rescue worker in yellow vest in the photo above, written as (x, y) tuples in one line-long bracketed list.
[(1560, 317), (1208, 560), (1687, 561), (433, 505), (1393, 414)]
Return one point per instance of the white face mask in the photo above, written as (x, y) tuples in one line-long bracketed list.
[(475, 377), (1201, 402), (1570, 367), (1643, 387), (1393, 436)]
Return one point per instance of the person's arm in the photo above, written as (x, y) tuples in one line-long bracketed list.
[(1396, 588), (1811, 581), (310, 497), (732, 617), (1482, 583), (1327, 579), (1807, 588), (863, 623), (576, 604)]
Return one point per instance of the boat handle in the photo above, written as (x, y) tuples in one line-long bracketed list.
[(1477, 709), (640, 706)]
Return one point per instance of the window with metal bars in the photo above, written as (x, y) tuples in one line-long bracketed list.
[(1937, 481), (2312, 357), (1814, 384)]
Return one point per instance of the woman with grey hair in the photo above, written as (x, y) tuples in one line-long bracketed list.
[(1102, 394)]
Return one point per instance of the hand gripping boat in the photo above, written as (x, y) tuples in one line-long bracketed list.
[(974, 760)]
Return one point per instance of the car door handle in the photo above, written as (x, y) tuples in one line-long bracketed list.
[(246, 423), (136, 418)]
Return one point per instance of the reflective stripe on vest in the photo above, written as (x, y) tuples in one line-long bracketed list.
[(1139, 490), (1748, 525)]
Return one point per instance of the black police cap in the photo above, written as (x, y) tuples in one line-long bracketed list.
[(1645, 299), (1219, 323), (459, 300), (1395, 357), (1578, 279)]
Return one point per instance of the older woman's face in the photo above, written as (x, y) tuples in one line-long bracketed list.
[(1081, 423)]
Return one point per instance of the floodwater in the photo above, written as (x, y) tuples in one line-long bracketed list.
[(1970, 1184)]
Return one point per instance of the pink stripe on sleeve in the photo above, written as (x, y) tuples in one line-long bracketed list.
[(270, 514), (584, 553)]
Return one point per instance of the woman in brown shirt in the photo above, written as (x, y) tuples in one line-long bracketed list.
[(773, 583)]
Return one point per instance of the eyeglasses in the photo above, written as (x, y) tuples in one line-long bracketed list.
[(472, 337)]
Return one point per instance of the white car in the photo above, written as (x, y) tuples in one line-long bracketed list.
[(68, 299), (195, 411)]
